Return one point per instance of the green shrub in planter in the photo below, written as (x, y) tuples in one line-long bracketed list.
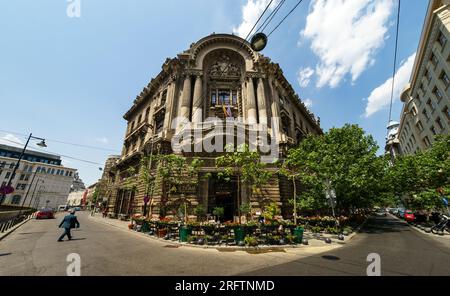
[(316, 229), (251, 241)]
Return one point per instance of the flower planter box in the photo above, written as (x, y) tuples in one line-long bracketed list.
[(162, 232)]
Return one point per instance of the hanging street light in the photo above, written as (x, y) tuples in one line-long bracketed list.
[(259, 41)]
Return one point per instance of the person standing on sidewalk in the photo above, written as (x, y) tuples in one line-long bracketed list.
[(69, 222)]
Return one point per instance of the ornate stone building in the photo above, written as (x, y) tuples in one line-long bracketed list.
[(219, 80)]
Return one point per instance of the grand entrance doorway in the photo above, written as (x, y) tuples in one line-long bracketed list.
[(224, 195)]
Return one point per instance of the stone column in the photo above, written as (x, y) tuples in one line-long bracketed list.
[(169, 105), (262, 103), (186, 98), (197, 101), (276, 119), (251, 102)]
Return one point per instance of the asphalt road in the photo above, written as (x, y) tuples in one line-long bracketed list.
[(402, 249), (106, 250)]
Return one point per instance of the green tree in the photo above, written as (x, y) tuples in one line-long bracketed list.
[(346, 158), (421, 179), (246, 166)]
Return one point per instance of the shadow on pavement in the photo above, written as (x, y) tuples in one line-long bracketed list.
[(5, 254)]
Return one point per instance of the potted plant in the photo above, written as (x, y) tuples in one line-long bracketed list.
[(219, 212)]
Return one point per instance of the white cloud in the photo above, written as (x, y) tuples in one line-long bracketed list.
[(345, 35), (308, 103), (11, 140), (251, 11), (380, 97), (304, 76), (103, 140)]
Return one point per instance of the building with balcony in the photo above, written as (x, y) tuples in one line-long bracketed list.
[(40, 180), (426, 110), (218, 90)]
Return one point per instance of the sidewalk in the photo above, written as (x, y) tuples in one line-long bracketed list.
[(314, 240)]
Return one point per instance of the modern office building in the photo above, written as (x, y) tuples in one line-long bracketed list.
[(219, 91), (40, 181), (426, 110)]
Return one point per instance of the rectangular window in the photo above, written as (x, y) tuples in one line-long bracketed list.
[(414, 111), (22, 176), (428, 76), (425, 114), (434, 59), (164, 98), (413, 139), (442, 40), (224, 97), (53, 171), (234, 98), (444, 78), (427, 142), (439, 123), (147, 113), (8, 174), (438, 94), (432, 105), (213, 98), (433, 130), (419, 126), (11, 165), (27, 177), (446, 112)]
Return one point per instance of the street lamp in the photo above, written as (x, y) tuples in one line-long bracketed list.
[(259, 41), (8, 189)]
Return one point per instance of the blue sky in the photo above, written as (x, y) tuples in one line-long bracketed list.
[(72, 79)]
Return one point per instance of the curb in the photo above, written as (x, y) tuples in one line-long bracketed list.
[(222, 247), (11, 230)]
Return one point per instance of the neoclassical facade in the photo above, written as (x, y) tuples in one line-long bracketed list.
[(218, 82)]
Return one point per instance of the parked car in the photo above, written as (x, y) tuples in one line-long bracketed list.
[(401, 213), (45, 214), (63, 208), (77, 208), (380, 213), (409, 216)]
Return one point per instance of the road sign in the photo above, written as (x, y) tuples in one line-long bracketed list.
[(6, 189), (146, 199)]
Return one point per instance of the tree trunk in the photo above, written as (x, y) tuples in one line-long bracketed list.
[(295, 201), (239, 199)]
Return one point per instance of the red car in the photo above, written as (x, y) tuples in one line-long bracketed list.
[(409, 216), (45, 214)]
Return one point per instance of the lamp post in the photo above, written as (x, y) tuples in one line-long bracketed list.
[(34, 190), (8, 186)]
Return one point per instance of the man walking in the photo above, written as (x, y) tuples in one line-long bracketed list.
[(69, 222)]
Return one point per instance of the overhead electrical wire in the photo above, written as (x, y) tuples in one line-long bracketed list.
[(63, 142), (57, 154), (265, 10), (270, 17), (395, 62), (289, 13)]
